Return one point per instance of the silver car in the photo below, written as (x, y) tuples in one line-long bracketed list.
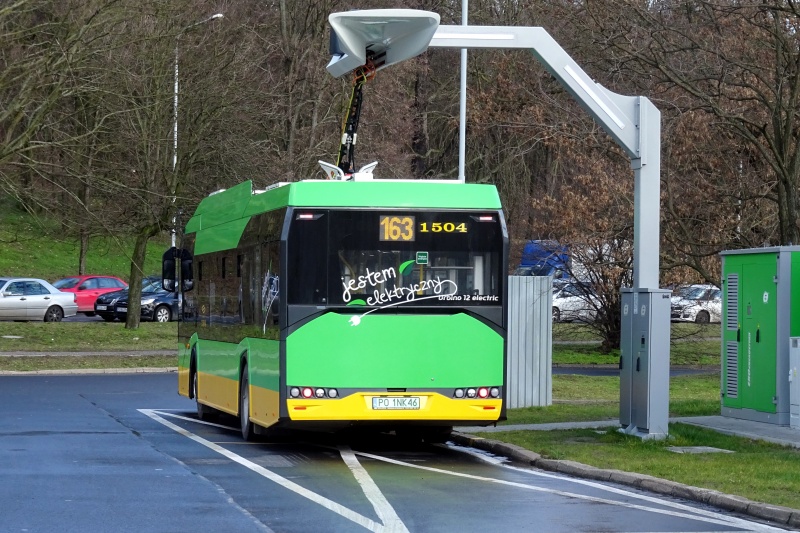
[(699, 303), (574, 303), (34, 299)]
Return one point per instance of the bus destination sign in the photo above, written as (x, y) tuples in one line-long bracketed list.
[(403, 228)]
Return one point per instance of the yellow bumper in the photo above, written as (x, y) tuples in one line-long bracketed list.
[(432, 406)]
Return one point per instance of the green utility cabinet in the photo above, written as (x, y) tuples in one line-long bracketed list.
[(760, 313)]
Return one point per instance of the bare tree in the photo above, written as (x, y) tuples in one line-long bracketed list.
[(736, 61)]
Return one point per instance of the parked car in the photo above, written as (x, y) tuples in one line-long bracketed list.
[(158, 304), (34, 299), (88, 288), (574, 302), (698, 303)]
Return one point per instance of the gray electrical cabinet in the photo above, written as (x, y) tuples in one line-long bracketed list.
[(644, 363)]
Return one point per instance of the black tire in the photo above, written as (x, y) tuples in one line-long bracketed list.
[(107, 318), (53, 314), (702, 318), (89, 313), (203, 412), (436, 435), (248, 433), (556, 314), (162, 313)]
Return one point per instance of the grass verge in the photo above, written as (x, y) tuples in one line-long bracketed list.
[(78, 362), (86, 336), (581, 398), (756, 470)]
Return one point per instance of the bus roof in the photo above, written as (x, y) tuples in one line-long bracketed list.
[(241, 202)]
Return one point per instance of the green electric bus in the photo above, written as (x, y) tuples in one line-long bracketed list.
[(327, 304)]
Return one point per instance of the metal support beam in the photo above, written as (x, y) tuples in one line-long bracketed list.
[(632, 121)]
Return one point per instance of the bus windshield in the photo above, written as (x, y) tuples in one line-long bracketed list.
[(387, 258)]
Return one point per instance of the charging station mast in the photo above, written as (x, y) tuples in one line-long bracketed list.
[(632, 121)]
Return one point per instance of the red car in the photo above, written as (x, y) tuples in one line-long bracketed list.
[(88, 288)]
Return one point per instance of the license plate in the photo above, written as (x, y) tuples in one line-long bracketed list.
[(122, 309), (395, 402), (101, 308)]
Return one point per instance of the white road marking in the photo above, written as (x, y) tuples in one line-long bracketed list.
[(503, 462), (714, 518), (383, 508), (193, 420), (280, 480), (391, 521)]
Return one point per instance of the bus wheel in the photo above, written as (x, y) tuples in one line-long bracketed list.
[(437, 435), (244, 407), (203, 412)]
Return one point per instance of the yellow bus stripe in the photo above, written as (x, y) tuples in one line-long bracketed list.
[(433, 406), (219, 393)]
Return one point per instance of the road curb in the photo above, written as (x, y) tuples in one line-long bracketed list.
[(74, 372), (785, 516), (97, 353)]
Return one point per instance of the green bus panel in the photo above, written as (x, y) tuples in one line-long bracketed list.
[(221, 359), (394, 351), (396, 195), (218, 358), (221, 207), (220, 237), (264, 363)]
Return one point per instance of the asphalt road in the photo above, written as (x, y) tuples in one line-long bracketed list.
[(98, 453)]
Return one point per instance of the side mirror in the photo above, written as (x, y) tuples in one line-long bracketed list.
[(168, 269), (187, 277), (169, 262)]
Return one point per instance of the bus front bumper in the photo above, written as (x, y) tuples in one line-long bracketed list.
[(370, 406)]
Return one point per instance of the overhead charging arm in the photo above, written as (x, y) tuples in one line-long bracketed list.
[(346, 159), (362, 43), (632, 121)]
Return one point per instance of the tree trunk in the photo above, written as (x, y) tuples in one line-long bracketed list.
[(137, 271), (82, 253)]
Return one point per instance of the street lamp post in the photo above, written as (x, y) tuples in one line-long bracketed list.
[(175, 113)]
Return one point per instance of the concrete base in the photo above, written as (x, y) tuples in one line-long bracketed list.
[(642, 434), (780, 419)]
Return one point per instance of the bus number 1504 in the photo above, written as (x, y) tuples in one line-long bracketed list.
[(443, 227)]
